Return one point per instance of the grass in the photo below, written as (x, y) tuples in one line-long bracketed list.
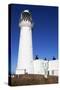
[(31, 79)]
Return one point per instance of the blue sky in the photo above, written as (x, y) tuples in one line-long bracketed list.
[(44, 33)]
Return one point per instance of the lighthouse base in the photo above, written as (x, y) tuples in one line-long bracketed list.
[(22, 71)]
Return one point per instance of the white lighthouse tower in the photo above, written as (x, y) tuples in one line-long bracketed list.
[(25, 53)]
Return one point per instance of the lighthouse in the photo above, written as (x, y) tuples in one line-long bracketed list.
[(25, 52)]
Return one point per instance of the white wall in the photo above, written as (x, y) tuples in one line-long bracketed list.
[(40, 66), (53, 67), (20, 71), (53, 64)]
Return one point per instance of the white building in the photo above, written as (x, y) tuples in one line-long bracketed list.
[(26, 64), (44, 67)]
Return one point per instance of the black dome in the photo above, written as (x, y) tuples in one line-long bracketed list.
[(26, 15)]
